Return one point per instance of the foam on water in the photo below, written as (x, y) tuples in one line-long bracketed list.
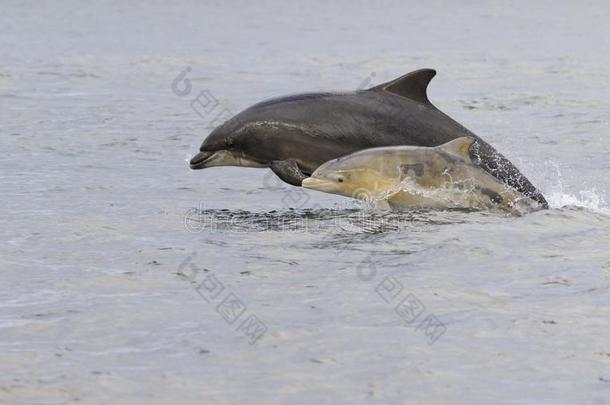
[(588, 199)]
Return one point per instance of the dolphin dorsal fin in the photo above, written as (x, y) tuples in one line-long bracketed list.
[(460, 147), (412, 85)]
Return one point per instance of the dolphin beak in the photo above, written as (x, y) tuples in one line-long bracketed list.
[(319, 184), (198, 161)]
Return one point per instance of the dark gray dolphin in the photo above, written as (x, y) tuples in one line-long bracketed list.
[(294, 135)]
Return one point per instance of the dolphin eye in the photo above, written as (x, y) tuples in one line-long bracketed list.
[(340, 179)]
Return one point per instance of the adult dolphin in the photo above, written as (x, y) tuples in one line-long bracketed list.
[(294, 135)]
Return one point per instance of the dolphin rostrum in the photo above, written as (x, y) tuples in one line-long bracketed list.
[(294, 135)]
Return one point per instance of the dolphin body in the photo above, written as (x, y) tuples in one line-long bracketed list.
[(406, 177), (294, 135)]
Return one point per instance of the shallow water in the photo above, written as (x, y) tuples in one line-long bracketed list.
[(108, 236)]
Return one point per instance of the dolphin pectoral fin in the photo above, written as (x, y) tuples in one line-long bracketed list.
[(289, 171), (412, 85)]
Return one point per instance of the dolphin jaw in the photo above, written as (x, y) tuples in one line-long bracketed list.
[(198, 161), (223, 157), (319, 185)]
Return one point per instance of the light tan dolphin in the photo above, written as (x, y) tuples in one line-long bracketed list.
[(418, 177)]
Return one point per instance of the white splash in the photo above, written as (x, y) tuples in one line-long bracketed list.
[(558, 197)]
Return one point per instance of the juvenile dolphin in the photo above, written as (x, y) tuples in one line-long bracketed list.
[(294, 135), (418, 177)]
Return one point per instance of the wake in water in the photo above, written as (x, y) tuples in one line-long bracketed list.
[(359, 217)]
